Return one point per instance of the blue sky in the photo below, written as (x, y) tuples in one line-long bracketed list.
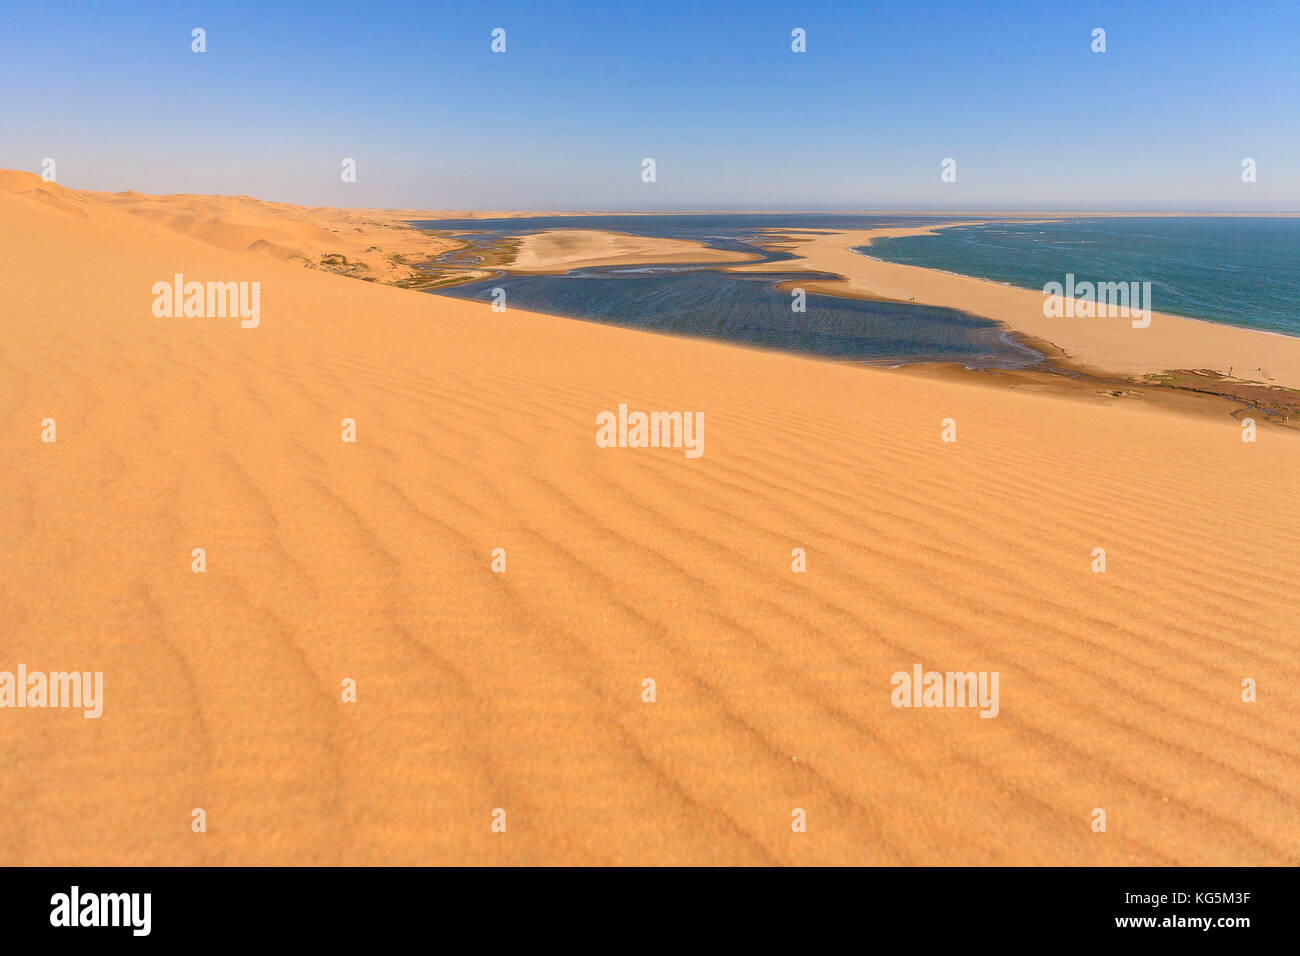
[(712, 91)]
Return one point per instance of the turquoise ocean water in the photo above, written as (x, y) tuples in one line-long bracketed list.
[(1238, 271)]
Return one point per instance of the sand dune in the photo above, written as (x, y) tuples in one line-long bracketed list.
[(378, 245), (479, 690)]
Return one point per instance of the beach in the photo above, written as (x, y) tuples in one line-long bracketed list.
[(523, 689)]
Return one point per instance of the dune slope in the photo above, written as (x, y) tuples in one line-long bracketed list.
[(522, 690)]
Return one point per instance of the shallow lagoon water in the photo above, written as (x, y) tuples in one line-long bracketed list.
[(747, 309)]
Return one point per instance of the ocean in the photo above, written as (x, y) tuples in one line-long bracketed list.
[(1237, 271)]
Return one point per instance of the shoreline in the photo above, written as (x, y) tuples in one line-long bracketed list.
[(1011, 285), (1178, 352)]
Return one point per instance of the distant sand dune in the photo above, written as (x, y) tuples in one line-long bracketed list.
[(522, 690), (368, 239)]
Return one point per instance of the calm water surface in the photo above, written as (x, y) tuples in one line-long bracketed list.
[(748, 309)]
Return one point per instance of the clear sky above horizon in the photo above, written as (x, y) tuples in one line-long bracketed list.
[(711, 91)]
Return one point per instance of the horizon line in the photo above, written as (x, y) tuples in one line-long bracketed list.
[(986, 210)]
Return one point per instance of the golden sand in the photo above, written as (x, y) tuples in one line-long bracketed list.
[(480, 690)]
